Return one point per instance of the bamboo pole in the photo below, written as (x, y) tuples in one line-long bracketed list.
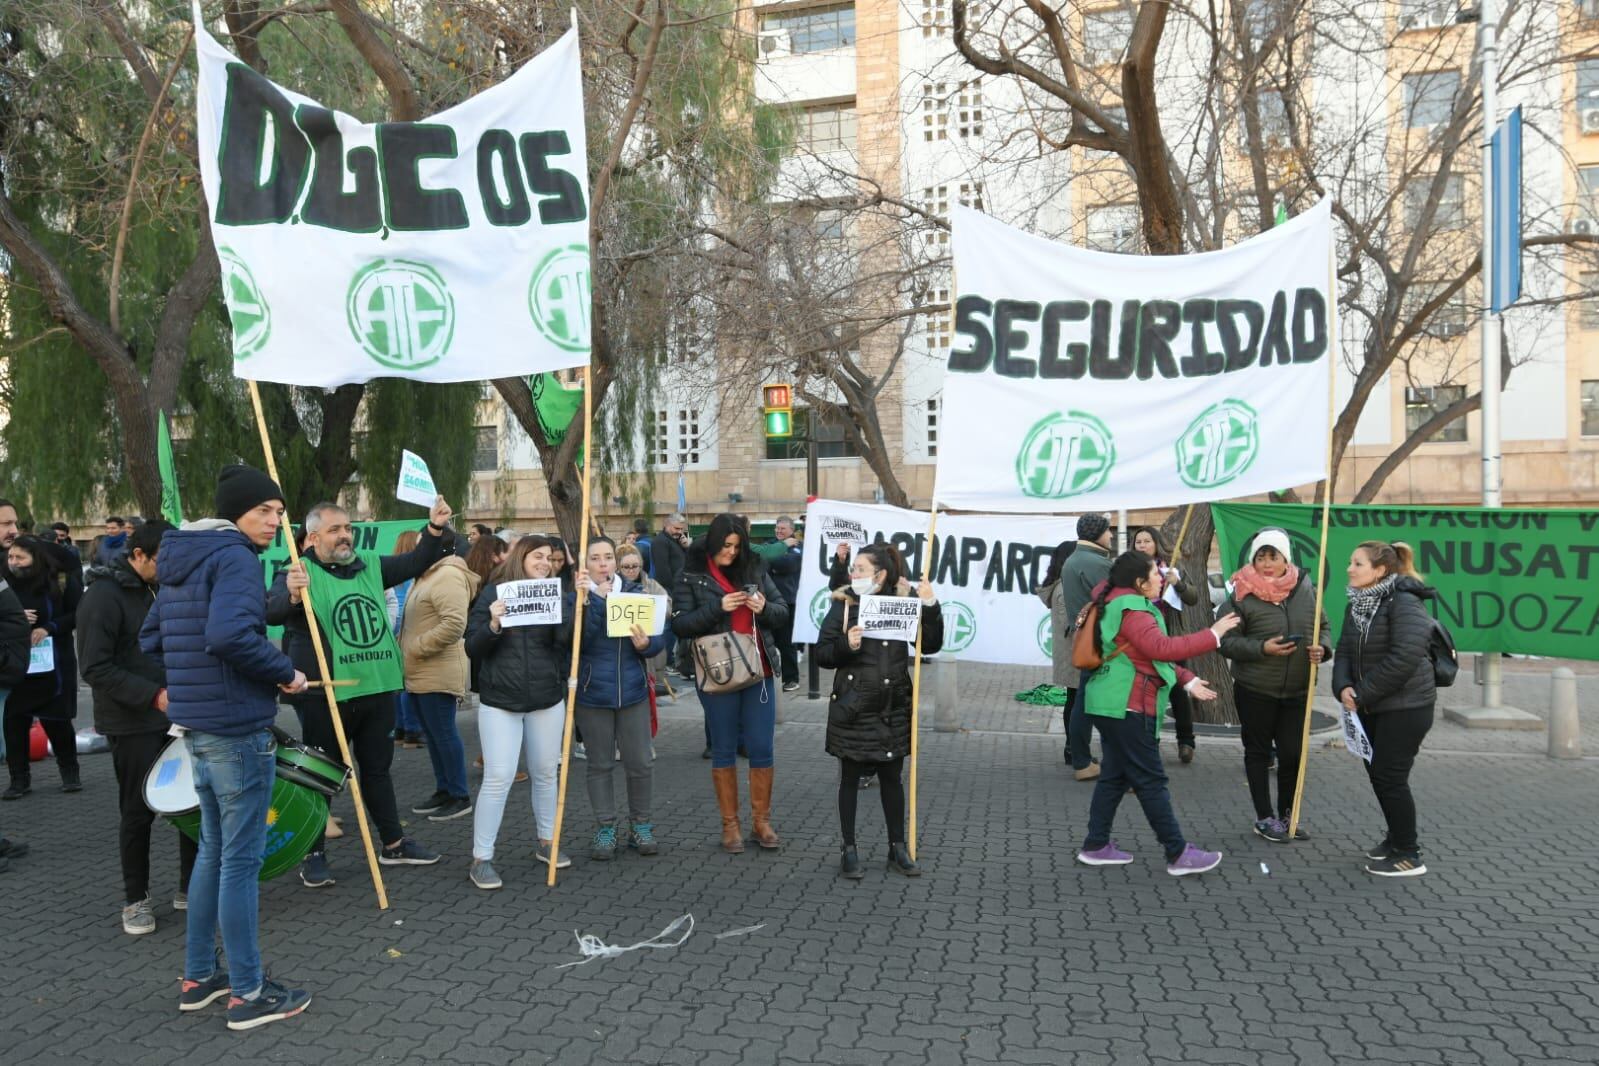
[(577, 625), (916, 687), (322, 665)]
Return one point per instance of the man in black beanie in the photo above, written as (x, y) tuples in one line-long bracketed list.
[(1084, 570), (207, 627)]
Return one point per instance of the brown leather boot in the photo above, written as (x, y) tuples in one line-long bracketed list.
[(761, 807), (726, 781)]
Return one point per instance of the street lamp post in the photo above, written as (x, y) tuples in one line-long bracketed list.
[(813, 673), (1492, 475)]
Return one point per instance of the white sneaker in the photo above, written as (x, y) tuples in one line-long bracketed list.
[(139, 918)]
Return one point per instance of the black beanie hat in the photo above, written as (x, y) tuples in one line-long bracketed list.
[(242, 488), (1091, 527)]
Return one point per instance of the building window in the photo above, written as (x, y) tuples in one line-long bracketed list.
[(832, 439), (1261, 18), (1448, 214), (660, 441), (1590, 408), (1274, 130), (971, 195), (1105, 34), (969, 110), (935, 201), (486, 449), (675, 441), (828, 224), (935, 18), (1588, 9), (932, 428), (1452, 318), (1588, 191), (1427, 14), (937, 322), (935, 111), (1430, 98), (1113, 229), (1588, 302), (828, 129), (1422, 403), (1588, 97), (815, 29)]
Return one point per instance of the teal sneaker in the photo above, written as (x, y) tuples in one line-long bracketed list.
[(604, 847), (642, 839)]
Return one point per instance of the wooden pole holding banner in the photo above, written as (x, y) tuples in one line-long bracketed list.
[(322, 665), (1326, 514), (916, 687), (577, 625)]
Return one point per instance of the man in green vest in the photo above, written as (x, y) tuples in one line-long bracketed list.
[(347, 588)]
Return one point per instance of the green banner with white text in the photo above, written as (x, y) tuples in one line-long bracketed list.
[(1508, 580)]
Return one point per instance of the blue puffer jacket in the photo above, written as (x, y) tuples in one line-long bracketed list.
[(610, 673), (208, 626)]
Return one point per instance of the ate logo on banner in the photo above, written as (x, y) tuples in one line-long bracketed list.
[(560, 295), (1046, 635), (1219, 445), (360, 622), (819, 607), (247, 308), (960, 626), (1065, 455), (401, 313)]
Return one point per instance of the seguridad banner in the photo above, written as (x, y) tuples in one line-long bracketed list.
[(1091, 381), (450, 249), (984, 569), (1508, 580)]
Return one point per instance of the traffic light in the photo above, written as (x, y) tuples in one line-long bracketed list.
[(777, 410)]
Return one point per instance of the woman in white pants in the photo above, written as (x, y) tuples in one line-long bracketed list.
[(522, 670)]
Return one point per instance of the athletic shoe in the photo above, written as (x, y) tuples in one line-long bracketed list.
[(314, 871), (542, 854), (1194, 860), (407, 853), (578, 752), (273, 1003), (1185, 753), (180, 901), (198, 995), (706, 754), (139, 918), (1109, 855), (603, 848), (457, 807), (900, 861), (1273, 829), (790, 686), (483, 875), (1398, 864), (641, 838), (18, 788), (849, 865), (432, 803), (1380, 851)]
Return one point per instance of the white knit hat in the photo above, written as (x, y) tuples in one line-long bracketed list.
[(1271, 538)]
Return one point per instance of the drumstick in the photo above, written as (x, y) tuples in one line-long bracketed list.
[(335, 683)]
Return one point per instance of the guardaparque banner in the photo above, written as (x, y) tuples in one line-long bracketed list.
[(1088, 380), (984, 568), (1511, 580), (450, 249)]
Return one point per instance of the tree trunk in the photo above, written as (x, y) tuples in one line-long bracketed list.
[(1193, 559)]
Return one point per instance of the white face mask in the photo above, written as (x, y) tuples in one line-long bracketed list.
[(863, 586)]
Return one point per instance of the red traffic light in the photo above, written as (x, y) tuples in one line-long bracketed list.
[(777, 396)]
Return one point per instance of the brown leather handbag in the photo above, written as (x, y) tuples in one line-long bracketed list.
[(727, 662), (1084, 655)]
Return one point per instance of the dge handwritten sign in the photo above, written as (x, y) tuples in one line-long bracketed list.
[(416, 481), (624, 610), (535, 602), (891, 617)]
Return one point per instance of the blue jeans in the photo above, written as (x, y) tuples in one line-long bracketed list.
[(748, 716), (436, 711), (233, 777), (1130, 755), (1079, 729), (406, 719)]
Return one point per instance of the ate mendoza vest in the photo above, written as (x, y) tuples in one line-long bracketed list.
[(1112, 684), (350, 612)]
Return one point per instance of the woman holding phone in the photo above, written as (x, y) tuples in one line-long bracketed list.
[(724, 588)]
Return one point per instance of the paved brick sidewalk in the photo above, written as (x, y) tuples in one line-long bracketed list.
[(1005, 952)]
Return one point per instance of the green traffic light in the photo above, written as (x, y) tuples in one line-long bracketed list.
[(779, 423)]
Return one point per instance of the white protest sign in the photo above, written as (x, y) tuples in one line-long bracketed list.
[(1061, 354), (455, 248), (1355, 738), (535, 602), (42, 656), (837, 529), (984, 570), (416, 481), (891, 617)]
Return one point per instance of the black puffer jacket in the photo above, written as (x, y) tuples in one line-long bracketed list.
[(869, 713), (125, 680), (697, 604), (1388, 665), (15, 634), (53, 694), (520, 668)]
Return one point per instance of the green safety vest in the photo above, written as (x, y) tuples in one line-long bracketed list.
[(351, 614), (1112, 683)]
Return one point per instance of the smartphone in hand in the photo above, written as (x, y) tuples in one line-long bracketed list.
[(1296, 638), (752, 590)]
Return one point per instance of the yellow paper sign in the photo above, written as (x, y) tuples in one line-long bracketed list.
[(624, 610)]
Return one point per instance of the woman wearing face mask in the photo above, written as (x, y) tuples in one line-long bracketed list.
[(1271, 655), (724, 588), (613, 708), (522, 672), (1127, 699), (50, 600), (1177, 591), (869, 712), (1384, 672)]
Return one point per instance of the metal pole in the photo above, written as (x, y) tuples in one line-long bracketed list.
[(1488, 50), (1121, 531), (813, 673)]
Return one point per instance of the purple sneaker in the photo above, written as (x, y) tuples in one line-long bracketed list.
[(1109, 855), (1194, 860)]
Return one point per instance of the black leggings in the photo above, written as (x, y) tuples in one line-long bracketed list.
[(63, 740), (890, 787)]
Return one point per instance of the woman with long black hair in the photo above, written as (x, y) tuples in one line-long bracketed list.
[(49, 597)]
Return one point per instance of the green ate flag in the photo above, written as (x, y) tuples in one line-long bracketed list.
[(171, 502)]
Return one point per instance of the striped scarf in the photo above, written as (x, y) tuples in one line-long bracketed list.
[(1363, 602)]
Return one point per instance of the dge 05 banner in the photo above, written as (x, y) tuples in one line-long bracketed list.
[(1520, 581), (450, 249), (984, 568), (1089, 381)]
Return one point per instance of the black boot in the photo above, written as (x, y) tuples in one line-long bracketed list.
[(69, 780), (21, 785), (900, 861), (849, 864)]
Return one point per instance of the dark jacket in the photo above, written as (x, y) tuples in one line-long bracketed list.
[(611, 672), (208, 629), (869, 712), (1085, 568), (15, 638), (666, 559), (53, 694), (1274, 675), (697, 605), (520, 668), (125, 680), (291, 616), (107, 554), (1388, 666)]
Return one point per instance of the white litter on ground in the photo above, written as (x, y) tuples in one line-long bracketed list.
[(1265, 869), (739, 932), (593, 947)]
